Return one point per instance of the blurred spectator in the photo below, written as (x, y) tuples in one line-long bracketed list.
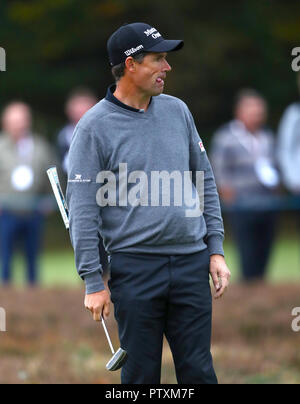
[(289, 146), (24, 191), (243, 161), (78, 103)]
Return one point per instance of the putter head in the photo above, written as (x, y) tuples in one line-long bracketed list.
[(117, 361)]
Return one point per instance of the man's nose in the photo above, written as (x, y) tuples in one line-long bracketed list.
[(167, 67)]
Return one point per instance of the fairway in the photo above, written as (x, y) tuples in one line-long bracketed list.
[(58, 267)]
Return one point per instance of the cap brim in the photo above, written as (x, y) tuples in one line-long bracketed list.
[(167, 45)]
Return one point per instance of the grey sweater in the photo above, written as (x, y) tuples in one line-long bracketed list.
[(115, 159)]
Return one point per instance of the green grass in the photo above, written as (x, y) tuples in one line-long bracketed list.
[(58, 267), (284, 264)]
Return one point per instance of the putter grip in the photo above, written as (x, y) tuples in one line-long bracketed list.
[(59, 196)]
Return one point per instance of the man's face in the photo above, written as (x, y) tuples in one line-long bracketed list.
[(149, 75), (16, 121), (78, 106), (252, 112)]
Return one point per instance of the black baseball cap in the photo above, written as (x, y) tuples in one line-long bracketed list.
[(132, 39)]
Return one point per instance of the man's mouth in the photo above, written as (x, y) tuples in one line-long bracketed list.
[(160, 81)]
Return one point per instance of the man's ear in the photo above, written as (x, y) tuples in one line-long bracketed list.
[(130, 64)]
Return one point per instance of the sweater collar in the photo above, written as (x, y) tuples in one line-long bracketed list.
[(111, 98)]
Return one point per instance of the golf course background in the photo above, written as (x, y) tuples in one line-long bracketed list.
[(53, 46)]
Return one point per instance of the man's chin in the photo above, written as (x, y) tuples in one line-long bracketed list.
[(158, 92)]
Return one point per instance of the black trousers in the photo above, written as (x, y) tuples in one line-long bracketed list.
[(103, 257), (254, 235), (155, 295)]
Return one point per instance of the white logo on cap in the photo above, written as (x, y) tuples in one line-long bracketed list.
[(153, 32), (133, 50)]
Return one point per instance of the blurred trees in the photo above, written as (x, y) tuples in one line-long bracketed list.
[(54, 45)]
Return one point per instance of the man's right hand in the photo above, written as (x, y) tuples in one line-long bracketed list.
[(98, 304)]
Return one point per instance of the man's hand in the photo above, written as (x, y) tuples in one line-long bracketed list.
[(220, 274), (98, 304)]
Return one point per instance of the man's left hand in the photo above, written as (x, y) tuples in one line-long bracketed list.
[(220, 274)]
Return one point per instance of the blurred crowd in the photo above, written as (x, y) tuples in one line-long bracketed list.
[(25, 194), (253, 168)]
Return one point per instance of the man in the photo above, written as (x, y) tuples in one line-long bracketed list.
[(78, 103), (24, 190), (242, 156), (160, 257)]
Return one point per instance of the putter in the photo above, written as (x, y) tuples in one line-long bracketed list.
[(119, 358)]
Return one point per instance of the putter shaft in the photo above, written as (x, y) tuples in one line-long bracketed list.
[(107, 336), (119, 357)]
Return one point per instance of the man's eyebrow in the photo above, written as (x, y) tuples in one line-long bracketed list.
[(162, 55)]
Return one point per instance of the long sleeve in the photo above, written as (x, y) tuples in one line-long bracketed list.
[(212, 211), (85, 162)]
